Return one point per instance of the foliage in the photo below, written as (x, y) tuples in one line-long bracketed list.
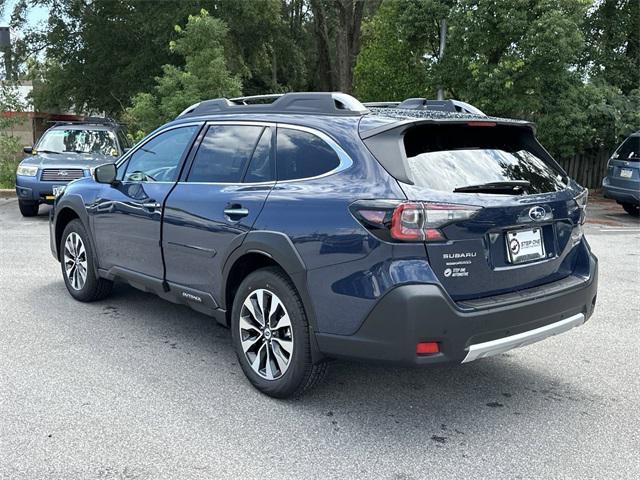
[(10, 147), (204, 74), (97, 54), (515, 58), (390, 65), (572, 66), (612, 54)]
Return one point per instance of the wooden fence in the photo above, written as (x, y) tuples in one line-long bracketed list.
[(588, 169)]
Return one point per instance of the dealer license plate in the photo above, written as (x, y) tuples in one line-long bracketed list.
[(525, 245), (626, 173)]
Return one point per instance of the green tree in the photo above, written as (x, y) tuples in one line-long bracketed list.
[(612, 55), (204, 74), (10, 107), (94, 56), (399, 43)]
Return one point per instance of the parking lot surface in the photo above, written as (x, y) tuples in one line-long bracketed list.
[(133, 387)]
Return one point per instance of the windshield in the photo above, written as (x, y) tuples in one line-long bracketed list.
[(629, 150), (449, 170), (79, 141)]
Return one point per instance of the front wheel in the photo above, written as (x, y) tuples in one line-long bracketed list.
[(28, 209), (78, 267), (631, 209), (271, 335)]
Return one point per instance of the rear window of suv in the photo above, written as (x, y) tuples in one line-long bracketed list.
[(449, 157), (629, 150)]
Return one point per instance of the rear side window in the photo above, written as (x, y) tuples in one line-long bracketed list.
[(450, 157), (224, 153), (629, 150), (303, 155)]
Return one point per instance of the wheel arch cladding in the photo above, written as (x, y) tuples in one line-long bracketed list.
[(260, 249), (72, 207), (63, 218)]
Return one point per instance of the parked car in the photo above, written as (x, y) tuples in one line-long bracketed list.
[(622, 182), (65, 152), (316, 228)]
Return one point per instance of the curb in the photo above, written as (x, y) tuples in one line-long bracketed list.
[(7, 193)]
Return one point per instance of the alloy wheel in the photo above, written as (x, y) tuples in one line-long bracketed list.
[(266, 334), (75, 261)]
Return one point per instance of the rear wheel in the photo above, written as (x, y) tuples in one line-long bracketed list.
[(78, 267), (632, 209), (28, 209), (271, 335)]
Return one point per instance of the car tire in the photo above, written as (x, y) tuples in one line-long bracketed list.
[(279, 348), (28, 209), (78, 265), (632, 209)]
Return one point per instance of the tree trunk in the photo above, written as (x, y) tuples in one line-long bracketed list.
[(348, 21), (323, 68)]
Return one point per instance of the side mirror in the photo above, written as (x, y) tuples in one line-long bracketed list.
[(105, 173), (27, 150)]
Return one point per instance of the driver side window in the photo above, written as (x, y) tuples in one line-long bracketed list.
[(158, 160)]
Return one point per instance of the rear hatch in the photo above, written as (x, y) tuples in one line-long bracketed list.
[(505, 215), (623, 170)]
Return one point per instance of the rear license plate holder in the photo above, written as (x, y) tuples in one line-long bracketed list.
[(626, 172), (525, 245)]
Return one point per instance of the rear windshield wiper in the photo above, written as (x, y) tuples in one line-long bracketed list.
[(48, 151), (516, 186)]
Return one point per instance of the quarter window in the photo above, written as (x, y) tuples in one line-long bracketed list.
[(224, 153), (303, 155), (158, 160)]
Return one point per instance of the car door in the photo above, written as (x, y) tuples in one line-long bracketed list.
[(127, 217), (218, 199)]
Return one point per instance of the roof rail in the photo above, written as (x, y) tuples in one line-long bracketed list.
[(317, 103), (439, 105), (425, 104), (382, 104)]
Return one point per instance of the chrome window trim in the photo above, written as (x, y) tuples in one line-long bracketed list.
[(345, 160)]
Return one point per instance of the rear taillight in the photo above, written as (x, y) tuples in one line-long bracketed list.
[(410, 221), (581, 200)]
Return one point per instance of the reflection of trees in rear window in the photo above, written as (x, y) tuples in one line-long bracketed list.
[(451, 169), (629, 150), (79, 141)]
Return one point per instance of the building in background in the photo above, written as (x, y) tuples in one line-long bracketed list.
[(33, 124)]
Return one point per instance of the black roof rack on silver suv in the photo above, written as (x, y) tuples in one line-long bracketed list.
[(425, 104), (317, 103)]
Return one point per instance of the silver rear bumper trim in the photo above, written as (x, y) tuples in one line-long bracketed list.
[(501, 345)]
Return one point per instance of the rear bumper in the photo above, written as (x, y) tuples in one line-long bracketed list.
[(622, 195), (415, 313)]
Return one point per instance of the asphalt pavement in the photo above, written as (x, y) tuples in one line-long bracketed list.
[(133, 387)]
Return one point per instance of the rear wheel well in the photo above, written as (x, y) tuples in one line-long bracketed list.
[(63, 219), (242, 267)]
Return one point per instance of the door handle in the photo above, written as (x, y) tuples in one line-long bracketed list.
[(236, 212), (151, 205)]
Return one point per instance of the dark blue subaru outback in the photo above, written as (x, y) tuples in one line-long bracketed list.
[(316, 229)]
